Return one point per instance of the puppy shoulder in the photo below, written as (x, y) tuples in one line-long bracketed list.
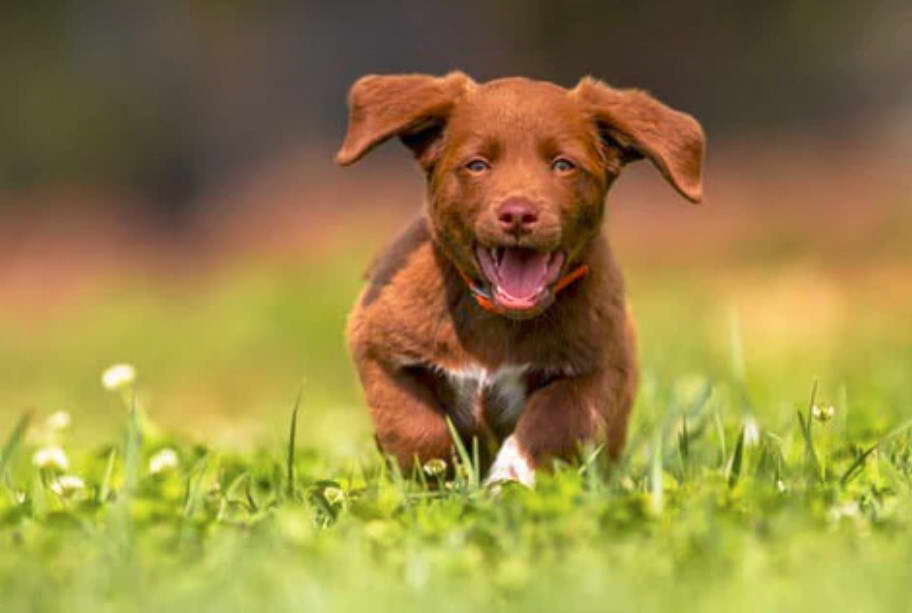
[(390, 261), (398, 315)]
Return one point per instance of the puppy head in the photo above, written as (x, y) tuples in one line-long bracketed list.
[(518, 170)]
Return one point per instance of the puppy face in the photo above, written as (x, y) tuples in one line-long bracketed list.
[(518, 170), (517, 190)]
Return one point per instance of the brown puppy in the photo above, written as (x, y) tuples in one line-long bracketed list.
[(502, 307)]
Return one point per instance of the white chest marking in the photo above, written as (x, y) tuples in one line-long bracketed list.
[(506, 386)]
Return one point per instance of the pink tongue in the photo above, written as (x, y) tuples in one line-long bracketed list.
[(522, 272)]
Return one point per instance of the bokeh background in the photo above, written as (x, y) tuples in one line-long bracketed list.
[(168, 197)]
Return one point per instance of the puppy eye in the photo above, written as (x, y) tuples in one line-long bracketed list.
[(477, 166), (562, 165)]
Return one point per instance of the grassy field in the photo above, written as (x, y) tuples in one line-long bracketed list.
[(769, 467)]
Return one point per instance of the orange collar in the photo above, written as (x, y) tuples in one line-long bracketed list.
[(485, 300)]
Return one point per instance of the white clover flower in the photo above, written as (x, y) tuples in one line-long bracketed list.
[(118, 376), (333, 495), (839, 511), (58, 421), (65, 485), (163, 460), (435, 467), (751, 432), (823, 414), (48, 457), (19, 497)]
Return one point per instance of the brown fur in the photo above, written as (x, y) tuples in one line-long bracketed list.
[(417, 320)]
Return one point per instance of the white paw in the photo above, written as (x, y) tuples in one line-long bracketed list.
[(511, 465)]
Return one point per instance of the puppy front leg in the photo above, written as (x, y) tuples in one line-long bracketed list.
[(410, 423), (557, 418)]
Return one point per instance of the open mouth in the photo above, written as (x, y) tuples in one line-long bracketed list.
[(520, 278)]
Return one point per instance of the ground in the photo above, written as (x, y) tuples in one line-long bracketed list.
[(768, 465)]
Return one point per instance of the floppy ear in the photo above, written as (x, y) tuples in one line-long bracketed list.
[(414, 107), (641, 126)]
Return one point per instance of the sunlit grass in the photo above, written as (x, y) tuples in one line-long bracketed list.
[(769, 463), (758, 519)]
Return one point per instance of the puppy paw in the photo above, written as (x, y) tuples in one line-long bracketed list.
[(511, 465)]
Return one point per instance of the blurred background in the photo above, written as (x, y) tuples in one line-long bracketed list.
[(168, 197)]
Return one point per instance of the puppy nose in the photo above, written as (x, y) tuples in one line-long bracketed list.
[(517, 216)]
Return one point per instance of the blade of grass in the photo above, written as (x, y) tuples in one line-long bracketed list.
[(765, 462), (720, 431), (248, 494), (463, 454), (292, 434), (806, 422), (233, 491), (591, 469), (122, 534), (590, 458), (233, 495), (38, 496), (395, 472), (325, 515), (640, 439), (105, 490), (693, 410), (476, 460), (132, 446), (657, 492), (393, 489), (774, 443), (421, 477), (194, 485), (734, 467), (203, 474), (203, 479), (684, 445), (12, 443), (687, 415), (855, 469)]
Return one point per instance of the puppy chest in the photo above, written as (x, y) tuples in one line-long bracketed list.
[(497, 396)]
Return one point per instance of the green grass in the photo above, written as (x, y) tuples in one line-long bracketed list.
[(732, 495)]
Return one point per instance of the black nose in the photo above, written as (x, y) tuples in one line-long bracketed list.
[(517, 216)]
